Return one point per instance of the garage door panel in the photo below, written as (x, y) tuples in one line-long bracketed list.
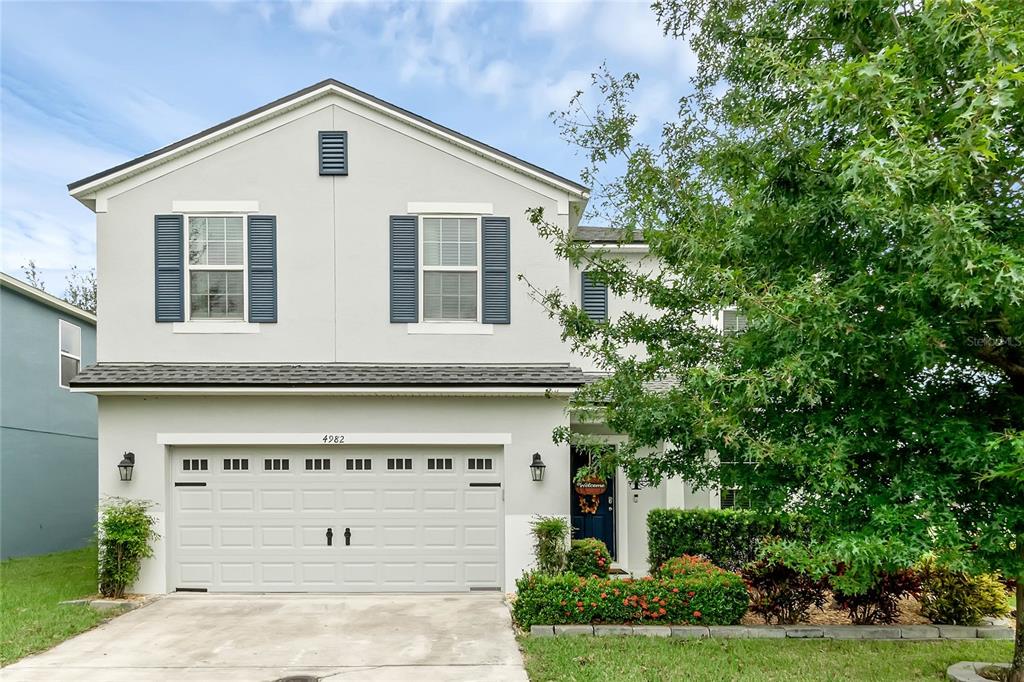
[(418, 526)]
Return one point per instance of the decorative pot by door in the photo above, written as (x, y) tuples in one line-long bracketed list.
[(598, 519)]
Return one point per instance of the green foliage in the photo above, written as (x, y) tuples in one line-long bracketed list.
[(960, 598), (125, 534), (880, 602), (718, 599), (687, 566), (849, 175), (549, 535), (783, 595), (730, 537), (588, 557)]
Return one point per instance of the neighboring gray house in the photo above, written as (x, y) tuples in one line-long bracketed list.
[(48, 481)]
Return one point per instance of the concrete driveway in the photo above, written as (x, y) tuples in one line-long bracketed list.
[(269, 637)]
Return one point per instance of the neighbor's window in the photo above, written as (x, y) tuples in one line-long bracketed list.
[(731, 494), (450, 269), (216, 270), (70, 351)]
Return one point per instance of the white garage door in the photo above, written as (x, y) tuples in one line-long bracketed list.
[(336, 520)]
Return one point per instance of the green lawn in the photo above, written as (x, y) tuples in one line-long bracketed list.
[(30, 587), (651, 658)]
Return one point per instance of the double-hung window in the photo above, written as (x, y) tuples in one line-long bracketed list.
[(216, 267), (451, 270), (70, 343)]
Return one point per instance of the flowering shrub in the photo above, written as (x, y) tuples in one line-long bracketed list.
[(719, 599), (880, 603), (588, 557), (780, 594), (686, 566)]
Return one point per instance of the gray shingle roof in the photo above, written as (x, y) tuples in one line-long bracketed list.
[(604, 235), (325, 374), (660, 385)]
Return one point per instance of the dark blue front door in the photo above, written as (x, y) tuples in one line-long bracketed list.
[(601, 524)]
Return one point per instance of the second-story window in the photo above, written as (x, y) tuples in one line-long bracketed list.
[(216, 267), (70, 351), (450, 269)]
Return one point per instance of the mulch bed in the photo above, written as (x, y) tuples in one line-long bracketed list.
[(910, 614)]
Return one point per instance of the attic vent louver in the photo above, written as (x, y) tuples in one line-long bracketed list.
[(333, 152)]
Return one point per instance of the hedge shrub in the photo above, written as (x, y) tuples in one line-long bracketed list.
[(588, 557), (880, 603), (783, 595), (549, 535), (125, 537), (958, 598), (730, 538), (567, 598)]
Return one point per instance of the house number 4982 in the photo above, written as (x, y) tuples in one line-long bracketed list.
[(333, 438)]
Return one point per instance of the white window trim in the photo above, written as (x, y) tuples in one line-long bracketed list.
[(189, 325), (449, 207), (61, 353), (467, 326), (206, 207)]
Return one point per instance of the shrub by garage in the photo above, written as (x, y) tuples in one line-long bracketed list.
[(588, 557)]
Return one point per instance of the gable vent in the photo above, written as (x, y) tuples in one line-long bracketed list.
[(333, 152)]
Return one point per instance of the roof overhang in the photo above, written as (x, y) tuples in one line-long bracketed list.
[(86, 190), (60, 305), (391, 391)]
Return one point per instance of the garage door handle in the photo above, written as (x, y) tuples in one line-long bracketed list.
[(348, 537), (330, 536)]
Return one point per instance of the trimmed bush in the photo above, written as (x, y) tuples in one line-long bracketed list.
[(730, 538), (880, 603), (588, 557), (714, 600), (959, 598), (783, 595), (125, 534), (687, 567), (549, 535)]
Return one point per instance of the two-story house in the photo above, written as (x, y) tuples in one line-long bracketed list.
[(314, 344)]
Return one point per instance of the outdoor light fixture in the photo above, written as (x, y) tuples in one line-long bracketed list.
[(537, 468), (126, 466)]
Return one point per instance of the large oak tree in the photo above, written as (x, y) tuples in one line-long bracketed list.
[(848, 173)]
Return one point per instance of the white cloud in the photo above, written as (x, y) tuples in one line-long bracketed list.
[(553, 93), (555, 16)]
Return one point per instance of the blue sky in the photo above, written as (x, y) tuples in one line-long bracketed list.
[(87, 85)]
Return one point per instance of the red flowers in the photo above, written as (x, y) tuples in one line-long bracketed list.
[(696, 614)]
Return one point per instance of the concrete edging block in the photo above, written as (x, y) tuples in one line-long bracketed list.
[(766, 632), (612, 630), (957, 632), (727, 631), (574, 630), (652, 630), (542, 630), (861, 632), (690, 631), (804, 632), (995, 632), (919, 632)]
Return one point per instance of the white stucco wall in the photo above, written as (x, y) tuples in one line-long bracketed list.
[(132, 423), (333, 263)]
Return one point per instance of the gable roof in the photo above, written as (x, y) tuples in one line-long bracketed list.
[(60, 305), (315, 91)]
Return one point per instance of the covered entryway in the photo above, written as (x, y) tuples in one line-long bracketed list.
[(351, 519)]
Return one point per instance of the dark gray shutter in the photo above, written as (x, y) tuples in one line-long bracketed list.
[(595, 298), (404, 263), (262, 268), (333, 152), (496, 283), (169, 241)]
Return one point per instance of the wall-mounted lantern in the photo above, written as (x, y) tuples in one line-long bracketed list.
[(537, 468), (126, 466)]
